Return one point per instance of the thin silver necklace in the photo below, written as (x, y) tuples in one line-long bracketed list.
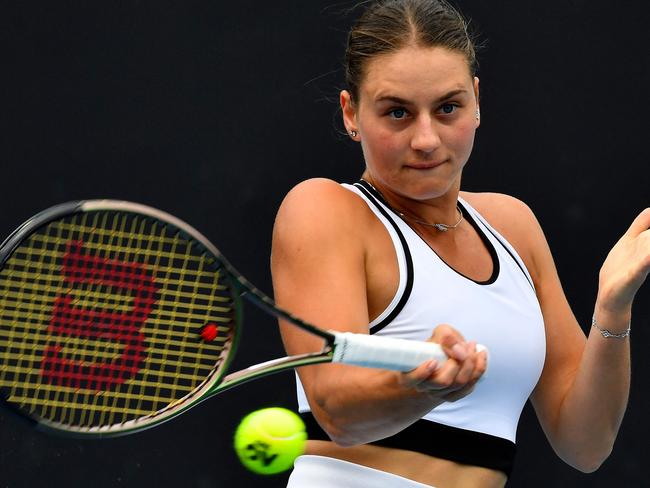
[(440, 227)]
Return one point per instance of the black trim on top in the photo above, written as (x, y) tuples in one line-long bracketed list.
[(496, 265), (442, 441), (372, 195), (519, 265), (486, 242)]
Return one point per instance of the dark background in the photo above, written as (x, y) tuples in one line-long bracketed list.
[(213, 110)]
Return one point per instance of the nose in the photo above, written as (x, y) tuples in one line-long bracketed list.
[(426, 137)]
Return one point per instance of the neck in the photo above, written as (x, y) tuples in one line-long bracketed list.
[(431, 209)]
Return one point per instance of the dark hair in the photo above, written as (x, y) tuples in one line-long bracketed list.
[(389, 25)]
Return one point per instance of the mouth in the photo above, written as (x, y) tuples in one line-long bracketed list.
[(421, 165)]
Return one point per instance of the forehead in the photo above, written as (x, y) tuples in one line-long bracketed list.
[(416, 71)]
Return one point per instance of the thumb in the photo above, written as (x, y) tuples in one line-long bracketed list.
[(451, 341), (640, 224)]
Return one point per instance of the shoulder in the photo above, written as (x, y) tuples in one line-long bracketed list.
[(321, 203), (500, 209), (316, 191), (515, 221), (322, 213)]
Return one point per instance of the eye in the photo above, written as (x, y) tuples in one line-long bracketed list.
[(397, 113), (448, 108)]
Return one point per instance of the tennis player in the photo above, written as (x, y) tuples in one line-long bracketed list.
[(407, 252)]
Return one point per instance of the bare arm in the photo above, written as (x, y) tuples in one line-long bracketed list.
[(319, 273), (582, 394)]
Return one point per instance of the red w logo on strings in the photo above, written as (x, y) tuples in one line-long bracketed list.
[(101, 325)]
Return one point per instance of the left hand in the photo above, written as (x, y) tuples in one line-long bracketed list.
[(626, 267)]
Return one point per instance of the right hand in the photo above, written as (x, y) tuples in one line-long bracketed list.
[(456, 377)]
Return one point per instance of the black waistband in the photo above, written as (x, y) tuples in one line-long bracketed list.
[(441, 441)]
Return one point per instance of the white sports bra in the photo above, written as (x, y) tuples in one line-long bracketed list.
[(502, 313)]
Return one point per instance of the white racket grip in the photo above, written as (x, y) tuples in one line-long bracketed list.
[(385, 352)]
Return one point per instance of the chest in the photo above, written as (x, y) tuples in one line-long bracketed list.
[(468, 254)]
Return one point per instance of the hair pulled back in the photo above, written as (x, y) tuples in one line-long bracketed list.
[(389, 25)]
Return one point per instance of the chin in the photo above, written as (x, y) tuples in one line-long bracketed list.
[(422, 193), (431, 190)]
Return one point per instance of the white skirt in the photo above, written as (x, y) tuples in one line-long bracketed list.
[(325, 472)]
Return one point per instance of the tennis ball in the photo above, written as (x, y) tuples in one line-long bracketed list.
[(267, 441)]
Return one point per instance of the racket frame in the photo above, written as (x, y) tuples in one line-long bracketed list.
[(217, 381)]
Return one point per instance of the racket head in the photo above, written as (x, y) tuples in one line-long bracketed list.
[(102, 308)]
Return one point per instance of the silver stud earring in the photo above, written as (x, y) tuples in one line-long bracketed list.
[(478, 114), (353, 133)]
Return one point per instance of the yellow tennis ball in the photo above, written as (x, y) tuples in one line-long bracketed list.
[(267, 441)]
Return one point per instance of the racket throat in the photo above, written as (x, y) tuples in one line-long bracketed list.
[(273, 366)]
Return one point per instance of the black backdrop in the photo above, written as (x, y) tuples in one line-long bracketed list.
[(213, 111)]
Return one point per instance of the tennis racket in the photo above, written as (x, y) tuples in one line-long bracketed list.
[(115, 317)]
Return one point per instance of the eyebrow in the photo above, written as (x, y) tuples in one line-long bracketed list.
[(402, 101)]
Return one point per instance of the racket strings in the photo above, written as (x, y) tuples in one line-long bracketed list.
[(100, 319)]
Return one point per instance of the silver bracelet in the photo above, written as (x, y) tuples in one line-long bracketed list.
[(607, 334)]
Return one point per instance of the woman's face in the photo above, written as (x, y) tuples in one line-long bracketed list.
[(416, 117)]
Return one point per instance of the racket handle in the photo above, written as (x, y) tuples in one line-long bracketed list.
[(385, 352)]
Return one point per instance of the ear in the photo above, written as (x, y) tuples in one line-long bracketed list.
[(478, 105), (349, 111)]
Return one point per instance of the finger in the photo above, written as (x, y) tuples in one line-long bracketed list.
[(640, 224), (454, 375), (481, 365), (419, 375), (459, 351), (444, 378), (467, 371), (451, 341)]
